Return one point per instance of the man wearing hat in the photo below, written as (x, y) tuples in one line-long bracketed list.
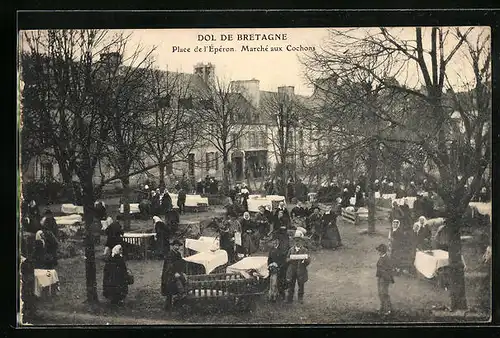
[(277, 255), (384, 279), (173, 278), (297, 268)]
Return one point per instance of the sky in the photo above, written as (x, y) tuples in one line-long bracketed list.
[(271, 68)]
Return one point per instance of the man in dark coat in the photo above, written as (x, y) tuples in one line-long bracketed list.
[(298, 211), (283, 208), (226, 240), (199, 187), (165, 202), (384, 279), (278, 255), (181, 200), (297, 269), (360, 201), (173, 277), (345, 198)]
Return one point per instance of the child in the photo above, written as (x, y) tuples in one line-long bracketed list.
[(384, 278), (297, 269)]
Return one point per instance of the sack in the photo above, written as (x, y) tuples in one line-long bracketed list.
[(130, 278)]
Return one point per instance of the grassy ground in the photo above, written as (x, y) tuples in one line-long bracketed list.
[(341, 289)]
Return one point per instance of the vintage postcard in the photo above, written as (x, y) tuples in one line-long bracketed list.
[(255, 176)]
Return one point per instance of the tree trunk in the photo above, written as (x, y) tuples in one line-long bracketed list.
[(161, 167), (126, 203), (225, 174), (457, 275), (90, 266), (372, 176)]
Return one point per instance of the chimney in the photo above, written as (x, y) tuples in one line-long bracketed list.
[(287, 91), (249, 89), (205, 71)]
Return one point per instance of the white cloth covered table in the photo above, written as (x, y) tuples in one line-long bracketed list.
[(71, 209), (44, 278), (400, 201), (210, 260), (191, 200), (481, 207), (202, 244), (389, 196), (134, 208), (255, 203), (428, 264), (258, 263), (68, 220)]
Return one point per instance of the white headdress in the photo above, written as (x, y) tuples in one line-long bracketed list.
[(116, 250)]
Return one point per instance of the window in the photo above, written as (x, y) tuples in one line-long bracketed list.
[(191, 164), (301, 138), (212, 162), (263, 139), (47, 171), (208, 159), (235, 141), (164, 101)]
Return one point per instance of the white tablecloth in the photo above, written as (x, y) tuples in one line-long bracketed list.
[(400, 201), (71, 209), (258, 263), (428, 264), (482, 208), (389, 196), (68, 220), (138, 235), (255, 203), (44, 278), (202, 244), (134, 208), (210, 260)]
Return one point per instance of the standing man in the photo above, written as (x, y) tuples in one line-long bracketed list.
[(278, 255), (181, 200), (384, 279), (173, 278), (297, 269)]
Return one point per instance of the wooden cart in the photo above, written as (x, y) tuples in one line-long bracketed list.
[(223, 291)]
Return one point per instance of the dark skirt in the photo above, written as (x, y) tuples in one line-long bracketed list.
[(331, 237), (115, 279)]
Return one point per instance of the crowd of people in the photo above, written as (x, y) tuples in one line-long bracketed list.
[(241, 233)]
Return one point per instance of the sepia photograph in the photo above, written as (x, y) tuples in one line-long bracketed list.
[(254, 176)]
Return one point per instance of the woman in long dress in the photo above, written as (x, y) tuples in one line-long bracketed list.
[(116, 279), (331, 236)]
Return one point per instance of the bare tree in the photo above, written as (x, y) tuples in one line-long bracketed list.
[(127, 107), (282, 113), (429, 104), (223, 114), (73, 108), (172, 125)]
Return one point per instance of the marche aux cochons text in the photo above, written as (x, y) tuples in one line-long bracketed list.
[(256, 42)]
